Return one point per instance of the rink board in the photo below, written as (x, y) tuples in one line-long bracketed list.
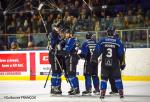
[(34, 65)]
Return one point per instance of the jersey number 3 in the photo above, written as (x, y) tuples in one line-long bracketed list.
[(109, 52)]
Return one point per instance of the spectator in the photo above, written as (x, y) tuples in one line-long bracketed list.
[(31, 46), (102, 20), (108, 21), (14, 46), (140, 20), (20, 30), (147, 22), (11, 28), (118, 22), (130, 18), (97, 26), (21, 18), (126, 22), (34, 21), (66, 14), (50, 20), (83, 20), (2, 40), (22, 38)]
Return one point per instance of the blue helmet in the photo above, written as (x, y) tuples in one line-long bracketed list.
[(111, 31)]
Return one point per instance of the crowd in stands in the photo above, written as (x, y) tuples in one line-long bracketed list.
[(24, 20)]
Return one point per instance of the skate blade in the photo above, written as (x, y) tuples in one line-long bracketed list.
[(55, 95), (114, 94), (96, 94), (76, 95), (87, 94)]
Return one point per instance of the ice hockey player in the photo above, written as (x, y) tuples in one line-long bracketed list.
[(71, 60), (56, 60), (90, 70), (112, 52), (114, 90)]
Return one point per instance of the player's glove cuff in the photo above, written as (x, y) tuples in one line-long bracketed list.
[(123, 67)]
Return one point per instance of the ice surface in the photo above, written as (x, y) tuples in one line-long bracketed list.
[(16, 91)]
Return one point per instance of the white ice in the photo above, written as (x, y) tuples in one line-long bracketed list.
[(134, 92)]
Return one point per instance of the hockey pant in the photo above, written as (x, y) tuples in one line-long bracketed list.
[(57, 64), (106, 72), (91, 74), (71, 63), (112, 84)]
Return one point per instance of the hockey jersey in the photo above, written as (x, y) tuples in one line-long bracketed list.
[(112, 51), (70, 46), (87, 48), (55, 38)]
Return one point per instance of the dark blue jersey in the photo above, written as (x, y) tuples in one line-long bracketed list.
[(87, 48), (111, 49), (70, 45), (54, 39)]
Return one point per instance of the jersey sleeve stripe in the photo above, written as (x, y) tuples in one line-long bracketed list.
[(110, 43)]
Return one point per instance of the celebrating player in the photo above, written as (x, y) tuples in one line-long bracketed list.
[(112, 52), (71, 60), (56, 59), (90, 70)]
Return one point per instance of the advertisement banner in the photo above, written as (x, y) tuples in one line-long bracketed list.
[(13, 63), (44, 58), (42, 61)]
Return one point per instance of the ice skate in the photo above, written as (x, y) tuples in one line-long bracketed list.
[(55, 91), (96, 92), (102, 95), (121, 94), (113, 93), (74, 91), (70, 90), (87, 92)]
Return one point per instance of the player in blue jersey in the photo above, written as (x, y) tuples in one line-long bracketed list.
[(71, 60), (90, 70), (111, 79), (112, 52), (56, 59)]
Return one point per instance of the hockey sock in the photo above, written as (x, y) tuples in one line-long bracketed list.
[(103, 84), (118, 83), (73, 81), (56, 79), (88, 82), (96, 82)]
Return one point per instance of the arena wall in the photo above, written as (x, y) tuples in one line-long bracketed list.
[(34, 65)]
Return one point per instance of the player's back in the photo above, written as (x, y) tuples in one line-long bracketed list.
[(110, 56), (91, 45)]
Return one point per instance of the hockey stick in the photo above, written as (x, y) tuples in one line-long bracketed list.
[(47, 77), (51, 69), (39, 8), (125, 48)]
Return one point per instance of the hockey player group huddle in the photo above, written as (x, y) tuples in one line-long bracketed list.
[(64, 55)]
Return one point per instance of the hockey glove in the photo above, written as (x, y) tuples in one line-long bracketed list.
[(123, 67)]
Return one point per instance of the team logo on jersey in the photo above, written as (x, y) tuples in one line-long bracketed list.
[(108, 62)]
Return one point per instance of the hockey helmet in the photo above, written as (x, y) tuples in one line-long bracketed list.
[(89, 35)]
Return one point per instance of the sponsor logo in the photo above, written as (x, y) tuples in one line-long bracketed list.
[(44, 58)]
